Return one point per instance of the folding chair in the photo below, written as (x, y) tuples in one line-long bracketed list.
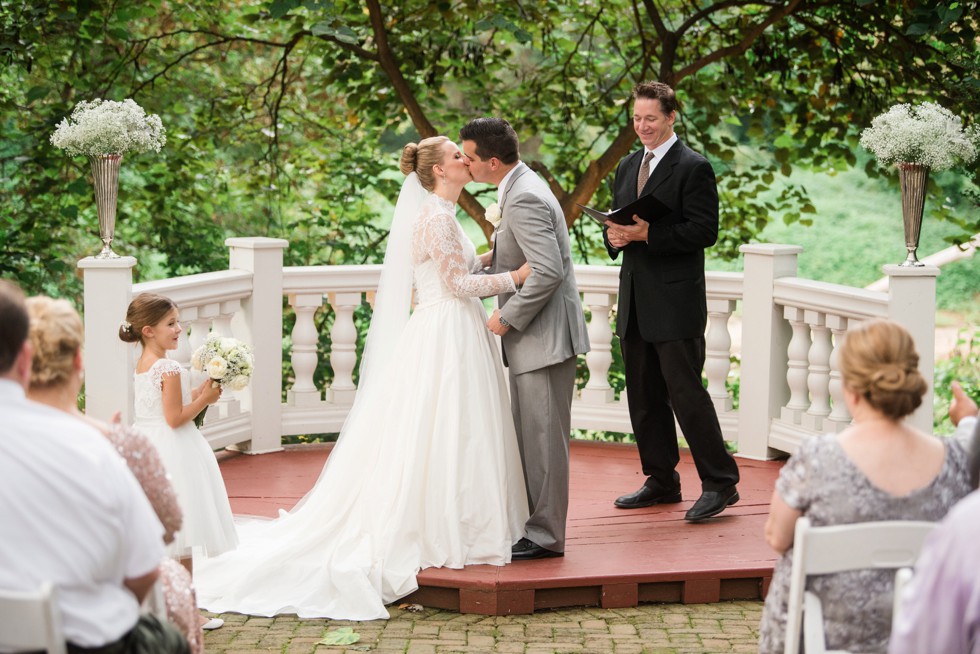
[(31, 621), (889, 544)]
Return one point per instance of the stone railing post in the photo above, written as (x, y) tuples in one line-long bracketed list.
[(765, 339), (912, 303), (261, 326), (108, 361)]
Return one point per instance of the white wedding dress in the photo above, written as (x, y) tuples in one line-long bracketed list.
[(426, 472)]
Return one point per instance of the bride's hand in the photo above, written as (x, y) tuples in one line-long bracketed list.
[(524, 272), (486, 258)]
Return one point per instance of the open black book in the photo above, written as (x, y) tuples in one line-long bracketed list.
[(646, 207)]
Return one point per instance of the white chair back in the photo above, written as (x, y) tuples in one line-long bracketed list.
[(31, 621), (888, 544)]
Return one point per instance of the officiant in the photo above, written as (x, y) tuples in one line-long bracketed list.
[(663, 311)]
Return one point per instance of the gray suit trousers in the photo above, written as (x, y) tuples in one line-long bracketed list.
[(541, 401)]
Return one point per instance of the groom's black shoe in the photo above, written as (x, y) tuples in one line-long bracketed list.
[(711, 503), (648, 496), (524, 550)]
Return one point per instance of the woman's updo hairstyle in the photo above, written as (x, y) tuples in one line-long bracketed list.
[(421, 157), (146, 310), (878, 361), (56, 332)]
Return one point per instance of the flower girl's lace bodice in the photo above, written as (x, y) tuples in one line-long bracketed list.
[(148, 389), (445, 259)]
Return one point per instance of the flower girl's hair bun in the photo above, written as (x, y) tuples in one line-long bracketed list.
[(146, 310), (410, 158)]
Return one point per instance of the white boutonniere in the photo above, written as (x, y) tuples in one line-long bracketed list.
[(493, 215)]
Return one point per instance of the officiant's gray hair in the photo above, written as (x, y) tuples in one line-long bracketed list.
[(421, 157), (494, 137)]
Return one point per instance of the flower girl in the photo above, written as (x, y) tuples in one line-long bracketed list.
[(165, 410)]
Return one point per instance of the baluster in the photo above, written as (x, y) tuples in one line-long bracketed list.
[(819, 378), (304, 354), (343, 354), (840, 417), (718, 353), (228, 404), (797, 369), (599, 359), (184, 346)]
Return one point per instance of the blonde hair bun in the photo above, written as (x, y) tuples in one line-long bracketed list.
[(878, 360), (57, 334), (410, 159)]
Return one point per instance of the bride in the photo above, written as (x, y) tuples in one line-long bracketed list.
[(426, 472)]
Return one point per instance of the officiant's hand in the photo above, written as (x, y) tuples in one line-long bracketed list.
[(622, 235), (494, 324)]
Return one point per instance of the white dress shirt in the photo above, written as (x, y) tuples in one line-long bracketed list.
[(660, 152), (72, 513)]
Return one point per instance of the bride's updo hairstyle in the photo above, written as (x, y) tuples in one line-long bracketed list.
[(878, 361), (421, 157), (56, 332), (146, 310)]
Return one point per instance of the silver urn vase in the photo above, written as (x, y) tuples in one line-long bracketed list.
[(105, 175), (913, 178)]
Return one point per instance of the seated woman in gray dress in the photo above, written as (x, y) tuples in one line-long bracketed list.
[(879, 468)]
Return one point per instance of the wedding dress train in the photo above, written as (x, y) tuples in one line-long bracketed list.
[(426, 472)]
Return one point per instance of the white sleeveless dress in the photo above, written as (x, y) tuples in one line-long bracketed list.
[(430, 477), (189, 461)]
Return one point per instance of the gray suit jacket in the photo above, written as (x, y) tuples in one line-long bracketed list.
[(546, 318)]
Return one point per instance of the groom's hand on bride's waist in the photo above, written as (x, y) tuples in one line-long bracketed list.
[(498, 325)]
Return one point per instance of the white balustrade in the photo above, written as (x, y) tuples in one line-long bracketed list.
[(790, 385)]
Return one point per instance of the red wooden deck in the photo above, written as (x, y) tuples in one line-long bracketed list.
[(614, 558)]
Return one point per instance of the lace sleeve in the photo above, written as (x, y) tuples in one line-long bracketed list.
[(145, 464), (163, 368), (440, 237)]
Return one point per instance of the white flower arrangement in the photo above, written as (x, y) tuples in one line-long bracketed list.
[(103, 127), (926, 134), (493, 215), (226, 361)]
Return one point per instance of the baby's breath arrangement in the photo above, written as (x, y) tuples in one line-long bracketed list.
[(102, 127), (926, 134)]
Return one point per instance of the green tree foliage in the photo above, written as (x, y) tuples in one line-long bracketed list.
[(285, 117)]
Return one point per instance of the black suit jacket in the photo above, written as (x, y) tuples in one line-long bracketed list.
[(665, 276)]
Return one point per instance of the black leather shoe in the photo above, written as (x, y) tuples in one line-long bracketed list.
[(647, 496), (711, 503), (524, 550)]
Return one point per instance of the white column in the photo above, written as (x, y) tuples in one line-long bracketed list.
[(343, 347), (912, 303), (765, 338), (819, 377), (304, 355), (718, 353), (261, 327), (599, 359), (797, 367), (109, 363)]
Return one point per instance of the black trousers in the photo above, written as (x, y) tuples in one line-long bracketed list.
[(664, 380)]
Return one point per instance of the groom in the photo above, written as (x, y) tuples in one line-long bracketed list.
[(542, 327)]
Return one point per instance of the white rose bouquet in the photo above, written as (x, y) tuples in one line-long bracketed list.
[(104, 127), (926, 134), (226, 361)]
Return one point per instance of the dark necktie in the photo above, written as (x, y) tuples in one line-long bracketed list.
[(641, 179)]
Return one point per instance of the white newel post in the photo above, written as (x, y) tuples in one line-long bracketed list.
[(261, 327), (108, 361), (765, 339), (912, 303)]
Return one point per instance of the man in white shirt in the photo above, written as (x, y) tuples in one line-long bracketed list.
[(71, 511)]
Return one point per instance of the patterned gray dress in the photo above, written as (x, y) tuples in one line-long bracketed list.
[(822, 482)]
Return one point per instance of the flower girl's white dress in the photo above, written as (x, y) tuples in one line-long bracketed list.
[(425, 474), (190, 463)]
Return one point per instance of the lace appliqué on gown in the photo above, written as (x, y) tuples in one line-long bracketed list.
[(439, 237), (148, 402)]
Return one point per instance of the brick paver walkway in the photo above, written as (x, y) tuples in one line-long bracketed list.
[(647, 629)]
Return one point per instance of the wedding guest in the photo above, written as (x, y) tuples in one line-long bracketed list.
[(56, 334), (879, 468), (963, 414), (61, 483)]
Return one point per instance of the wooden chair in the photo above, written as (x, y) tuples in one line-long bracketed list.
[(31, 621), (889, 544)]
